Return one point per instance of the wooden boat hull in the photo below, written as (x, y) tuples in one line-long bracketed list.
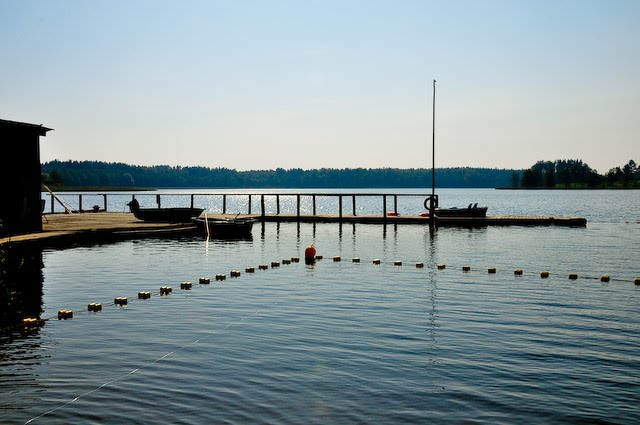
[(220, 227), (164, 215), (168, 215)]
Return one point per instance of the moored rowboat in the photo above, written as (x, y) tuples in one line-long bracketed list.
[(164, 215), (224, 226)]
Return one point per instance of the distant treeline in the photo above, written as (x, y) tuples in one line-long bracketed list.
[(543, 174), (104, 174), (576, 174)]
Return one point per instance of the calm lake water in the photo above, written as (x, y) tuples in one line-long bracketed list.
[(343, 341)]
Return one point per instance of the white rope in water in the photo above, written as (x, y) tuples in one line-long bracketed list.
[(134, 371)]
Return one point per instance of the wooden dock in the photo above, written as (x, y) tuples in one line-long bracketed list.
[(448, 221), (96, 227), (63, 229)]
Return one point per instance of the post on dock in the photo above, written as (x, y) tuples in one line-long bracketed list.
[(278, 204), (340, 206), (262, 205), (158, 200), (313, 197), (224, 204), (80, 202), (384, 207), (298, 206), (192, 195), (395, 204), (249, 204), (104, 198), (353, 200)]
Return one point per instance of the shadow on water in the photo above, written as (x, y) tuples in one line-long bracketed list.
[(21, 280)]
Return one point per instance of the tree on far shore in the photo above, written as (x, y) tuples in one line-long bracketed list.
[(572, 173)]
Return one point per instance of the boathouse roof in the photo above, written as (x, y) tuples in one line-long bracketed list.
[(39, 128)]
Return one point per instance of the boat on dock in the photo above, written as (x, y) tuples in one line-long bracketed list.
[(225, 227), (470, 211), (164, 215)]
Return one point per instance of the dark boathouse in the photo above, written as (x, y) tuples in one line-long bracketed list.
[(20, 177)]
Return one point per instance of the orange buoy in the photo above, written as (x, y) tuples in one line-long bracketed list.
[(424, 214), (310, 252), (392, 214)]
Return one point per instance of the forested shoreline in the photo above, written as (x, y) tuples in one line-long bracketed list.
[(103, 174), (559, 174)]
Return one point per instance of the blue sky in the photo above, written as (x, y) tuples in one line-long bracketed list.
[(311, 84)]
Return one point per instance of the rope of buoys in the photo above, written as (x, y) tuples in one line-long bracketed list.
[(64, 314), (494, 270)]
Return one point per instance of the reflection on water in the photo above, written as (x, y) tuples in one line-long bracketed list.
[(20, 288)]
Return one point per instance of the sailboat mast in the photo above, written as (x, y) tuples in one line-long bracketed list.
[(433, 145)]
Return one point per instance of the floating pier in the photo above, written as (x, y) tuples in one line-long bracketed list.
[(95, 227), (444, 221)]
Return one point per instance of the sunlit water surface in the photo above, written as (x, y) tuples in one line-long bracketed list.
[(341, 341)]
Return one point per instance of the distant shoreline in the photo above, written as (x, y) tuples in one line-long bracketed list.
[(99, 188)]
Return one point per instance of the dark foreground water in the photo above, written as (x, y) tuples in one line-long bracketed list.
[(340, 341)]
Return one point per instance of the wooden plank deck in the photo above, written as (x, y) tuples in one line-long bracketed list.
[(95, 227), (81, 227)]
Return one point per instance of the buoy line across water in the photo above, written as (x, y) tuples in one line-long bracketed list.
[(29, 324)]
